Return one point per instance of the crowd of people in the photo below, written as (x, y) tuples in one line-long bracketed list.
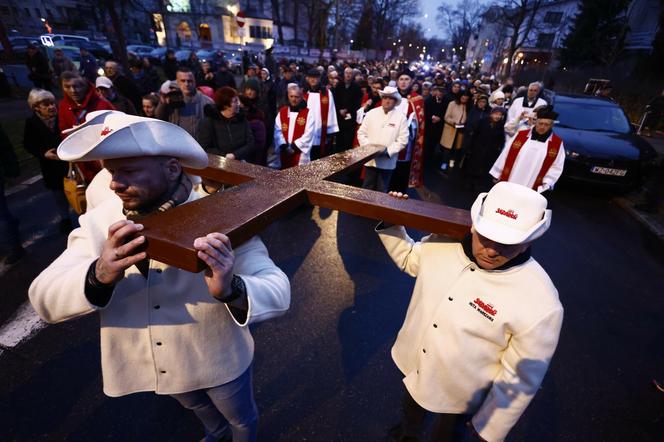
[(283, 114)]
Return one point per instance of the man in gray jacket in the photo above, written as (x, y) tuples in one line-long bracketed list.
[(185, 107), (162, 329)]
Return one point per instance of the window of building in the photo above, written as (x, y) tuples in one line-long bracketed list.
[(545, 41), (254, 31), (4, 10), (553, 17), (38, 13), (27, 11)]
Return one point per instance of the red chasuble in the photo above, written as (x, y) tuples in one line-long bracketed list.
[(300, 125), (553, 147)]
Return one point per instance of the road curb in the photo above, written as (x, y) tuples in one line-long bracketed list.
[(647, 220)]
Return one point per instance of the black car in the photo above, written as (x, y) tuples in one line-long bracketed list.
[(601, 146)]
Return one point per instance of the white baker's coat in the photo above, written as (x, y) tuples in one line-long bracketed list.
[(202, 344), (529, 163), (385, 129), (304, 143), (313, 104), (453, 357), (517, 107)]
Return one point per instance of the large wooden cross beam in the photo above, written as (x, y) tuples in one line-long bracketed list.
[(261, 195)]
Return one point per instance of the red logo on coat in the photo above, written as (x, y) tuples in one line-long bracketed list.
[(486, 307)]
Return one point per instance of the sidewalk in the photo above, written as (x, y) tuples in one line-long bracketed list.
[(653, 222)]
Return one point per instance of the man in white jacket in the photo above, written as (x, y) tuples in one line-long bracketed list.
[(385, 126), (483, 321), (162, 329)]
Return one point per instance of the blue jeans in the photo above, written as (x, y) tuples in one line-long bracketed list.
[(9, 237), (227, 405)]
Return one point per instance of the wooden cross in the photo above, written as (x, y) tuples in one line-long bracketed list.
[(261, 195)]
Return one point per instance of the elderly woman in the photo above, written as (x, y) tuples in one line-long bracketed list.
[(452, 138), (224, 130), (41, 137)]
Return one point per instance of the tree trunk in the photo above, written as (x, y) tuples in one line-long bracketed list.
[(295, 20), (276, 15), (119, 35), (8, 53)]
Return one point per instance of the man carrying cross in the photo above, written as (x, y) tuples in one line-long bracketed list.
[(321, 106), (162, 329), (533, 157), (483, 321), (294, 129), (384, 126)]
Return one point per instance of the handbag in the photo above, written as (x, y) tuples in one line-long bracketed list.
[(74, 188)]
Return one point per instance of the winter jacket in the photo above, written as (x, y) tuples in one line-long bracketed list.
[(220, 135)]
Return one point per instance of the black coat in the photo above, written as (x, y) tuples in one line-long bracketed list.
[(220, 135), (170, 67), (349, 98), (433, 131), (484, 145), (37, 139)]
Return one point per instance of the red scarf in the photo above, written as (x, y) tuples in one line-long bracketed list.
[(300, 125), (553, 147)]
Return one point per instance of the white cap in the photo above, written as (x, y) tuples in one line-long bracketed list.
[(167, 85), (104, 82), (390, 92), (126, 136), (496, 95), (510, 214), (94, 117)]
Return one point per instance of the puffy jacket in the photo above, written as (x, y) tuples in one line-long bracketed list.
[(220, 135)]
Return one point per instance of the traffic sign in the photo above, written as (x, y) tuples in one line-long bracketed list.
[(240, 18)]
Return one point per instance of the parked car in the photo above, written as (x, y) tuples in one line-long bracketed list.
[(73, 52), (234, 61), (62, 39), (97, 50), (183, 54), (20, 45), (157, 55), (601, 146), (214, 56), (140, 50)]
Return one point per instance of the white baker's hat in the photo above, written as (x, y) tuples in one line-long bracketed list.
[(125, 136), (510, 214), (104, 82), (94, 117), (390, 92)]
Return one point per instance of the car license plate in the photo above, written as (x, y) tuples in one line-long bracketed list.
[(608, 171)]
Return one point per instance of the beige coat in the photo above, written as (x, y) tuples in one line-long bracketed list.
[(455, 114), (473, 341), (165, 333)]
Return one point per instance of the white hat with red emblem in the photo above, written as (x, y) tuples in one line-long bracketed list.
[(126, 136), (510, 214), (94, 117)]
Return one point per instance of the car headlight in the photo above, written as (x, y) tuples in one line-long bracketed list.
[(572, 154)]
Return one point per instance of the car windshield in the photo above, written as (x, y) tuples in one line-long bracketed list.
[(590, 117)]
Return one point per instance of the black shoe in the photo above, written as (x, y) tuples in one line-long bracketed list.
[(66, 225), (14, 255)]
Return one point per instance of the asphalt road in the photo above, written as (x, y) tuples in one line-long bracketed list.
[(323, 372)]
